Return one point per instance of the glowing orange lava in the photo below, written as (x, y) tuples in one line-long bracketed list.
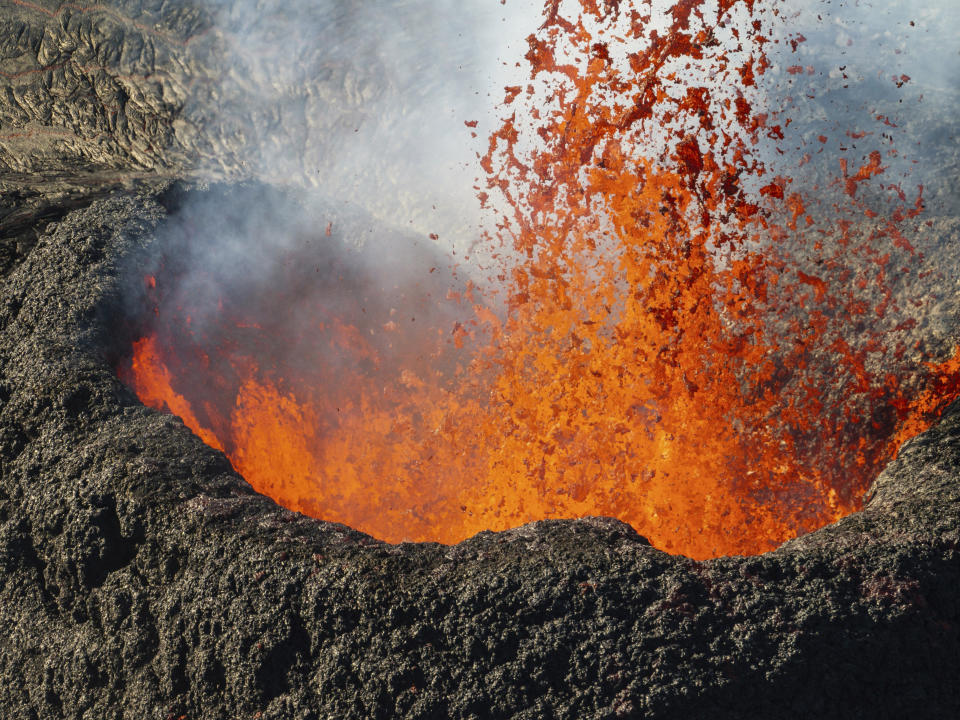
[(685, 342)]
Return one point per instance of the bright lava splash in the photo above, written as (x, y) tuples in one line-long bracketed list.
[(674, 332)]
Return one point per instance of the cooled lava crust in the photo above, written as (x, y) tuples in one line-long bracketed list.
[(143, 578)]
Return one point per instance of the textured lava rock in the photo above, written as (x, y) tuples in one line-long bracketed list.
[(142, 578), (150, 85)]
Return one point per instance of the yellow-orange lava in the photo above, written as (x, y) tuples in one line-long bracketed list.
[(667, 340)]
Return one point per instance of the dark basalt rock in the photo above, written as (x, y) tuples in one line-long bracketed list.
[(143, 578)]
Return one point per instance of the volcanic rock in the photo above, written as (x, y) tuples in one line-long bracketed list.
[(143, 578)]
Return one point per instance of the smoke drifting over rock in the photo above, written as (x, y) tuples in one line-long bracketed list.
[(367, 103)]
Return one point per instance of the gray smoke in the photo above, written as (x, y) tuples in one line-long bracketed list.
[(349, 119), (887, 68), (359, 110)]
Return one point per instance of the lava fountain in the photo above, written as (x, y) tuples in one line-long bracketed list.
[(680, 320)]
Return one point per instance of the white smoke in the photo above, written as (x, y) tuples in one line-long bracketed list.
[(368, 102)]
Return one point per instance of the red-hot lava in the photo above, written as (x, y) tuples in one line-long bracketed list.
[(681, 338)]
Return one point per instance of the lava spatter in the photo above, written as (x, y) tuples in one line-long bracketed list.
[(674, 334)]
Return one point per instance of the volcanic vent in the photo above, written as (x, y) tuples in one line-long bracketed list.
[(345, 389), (683, 319), (142, 577)]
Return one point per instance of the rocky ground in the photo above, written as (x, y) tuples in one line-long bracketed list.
[(142, 578)]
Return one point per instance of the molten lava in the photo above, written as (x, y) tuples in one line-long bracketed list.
[(673, 334)]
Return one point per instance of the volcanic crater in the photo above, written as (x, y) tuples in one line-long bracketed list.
[(144, 577)]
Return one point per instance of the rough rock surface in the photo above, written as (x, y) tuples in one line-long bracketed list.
[(142, 578), (155, 86)]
